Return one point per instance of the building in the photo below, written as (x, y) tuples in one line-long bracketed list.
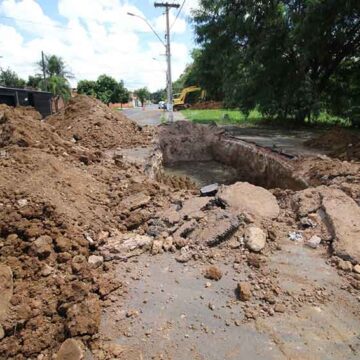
[(40, 100)]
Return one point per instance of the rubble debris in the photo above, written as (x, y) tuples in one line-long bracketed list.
[(255, 238), (244, 291), (343, 215), (135, 201), (71, 349), (313, 242), (185, 255), (95, 261), (83, 318), (213, 273), (295, 236), (248, 198), (209, 190)]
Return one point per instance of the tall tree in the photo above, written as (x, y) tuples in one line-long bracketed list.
[(55, 66), (86, 87), (9, 78), (34, 81), (143, 94), (279, 55)]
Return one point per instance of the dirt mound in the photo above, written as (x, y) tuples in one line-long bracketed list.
[(207, 105), (23, 127), (90, 123), (342, 144)]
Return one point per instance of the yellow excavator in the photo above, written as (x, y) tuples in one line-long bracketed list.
[(188, 96)]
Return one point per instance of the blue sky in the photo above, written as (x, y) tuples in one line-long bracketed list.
[(94, 37)]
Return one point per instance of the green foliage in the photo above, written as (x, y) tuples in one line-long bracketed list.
[(9, 78), (106, 89), (282, 56), (59, 87), (34, 81), (86, 87), (143, 94), (55, 66), (157, 96)]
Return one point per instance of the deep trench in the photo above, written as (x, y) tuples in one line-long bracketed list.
[(207, 155)]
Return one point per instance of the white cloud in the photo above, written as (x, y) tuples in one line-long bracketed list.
[(95, 39)]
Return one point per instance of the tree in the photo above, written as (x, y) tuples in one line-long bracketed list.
[(87, 87), (108, 90), (60, 88), (34, 81), (158, 96), (143, 94), (55, 66), (9, 78), (278, 55)]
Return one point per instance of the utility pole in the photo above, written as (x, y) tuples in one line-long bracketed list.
[(167, 7), (43, 69)]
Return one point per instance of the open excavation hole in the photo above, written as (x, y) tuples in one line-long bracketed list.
[(207, 155)]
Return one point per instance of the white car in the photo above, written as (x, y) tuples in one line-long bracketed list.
[(162, 105)]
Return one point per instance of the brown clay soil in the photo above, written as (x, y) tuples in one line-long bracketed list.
[(207, 105), (80, 226), (341, 143)]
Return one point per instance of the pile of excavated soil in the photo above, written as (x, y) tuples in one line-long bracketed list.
[(342, 144), (58, 202), (92, 124), (207, 105)]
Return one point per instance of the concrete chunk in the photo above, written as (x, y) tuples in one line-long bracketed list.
[(245, 197)]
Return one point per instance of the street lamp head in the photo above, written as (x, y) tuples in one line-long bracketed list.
[(131, 14)]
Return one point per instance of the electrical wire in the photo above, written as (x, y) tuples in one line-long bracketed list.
[(178, 14), (34, 22)]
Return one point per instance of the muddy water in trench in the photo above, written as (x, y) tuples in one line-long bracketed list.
[(204, 172)]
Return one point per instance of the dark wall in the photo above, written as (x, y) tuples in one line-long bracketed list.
[(41, 101)]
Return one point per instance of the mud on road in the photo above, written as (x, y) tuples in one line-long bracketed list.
[(104, 255)]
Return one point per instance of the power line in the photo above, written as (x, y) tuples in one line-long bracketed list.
[(179, 12), (34, 22)]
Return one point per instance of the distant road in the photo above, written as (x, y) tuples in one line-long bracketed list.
[(150, 116)]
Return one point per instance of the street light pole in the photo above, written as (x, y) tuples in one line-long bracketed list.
[(170, 107)]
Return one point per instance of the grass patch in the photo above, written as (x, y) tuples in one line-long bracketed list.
[(222, 116), (255, 118)]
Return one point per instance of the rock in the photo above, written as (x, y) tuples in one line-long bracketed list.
[(2, 332), (42, 246), (356, 269), (46, 270), (134, 241), (62, 244), (71, 349), (344, 265), (185, 255), (314, 242), (255, 238), (343, 215), (135, 201), (168, 243), (6, 290), (22, 202), (170, 216), (244, 291), (295, 236), (255, 260), (78, 263), (209, 190), (193, 206), (213, 273), (221, 225), (183, 232), (245, 197), (95, 261), (157, 247), (84, 318), (280, 308)]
